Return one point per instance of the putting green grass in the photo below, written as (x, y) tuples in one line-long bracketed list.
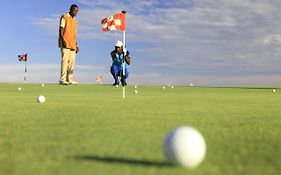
[(90, 129)]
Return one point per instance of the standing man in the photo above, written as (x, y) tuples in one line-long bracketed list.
[(68, 45), (118, 55)]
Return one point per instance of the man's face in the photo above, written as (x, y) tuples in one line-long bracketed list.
[(73, 11), (119, 50)]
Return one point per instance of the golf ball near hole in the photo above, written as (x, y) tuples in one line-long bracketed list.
[(41, 99), (185, 146)]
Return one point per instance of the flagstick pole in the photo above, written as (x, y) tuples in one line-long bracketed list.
[(124, 46), (25, 72)]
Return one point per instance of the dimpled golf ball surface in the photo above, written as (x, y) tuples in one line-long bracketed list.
[(41, 99), (185, 146)]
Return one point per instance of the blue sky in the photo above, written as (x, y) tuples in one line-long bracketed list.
[(215, 43)]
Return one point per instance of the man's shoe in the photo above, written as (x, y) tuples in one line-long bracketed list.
[(115, 84), (63, 82), (123, 81), (73, 82)]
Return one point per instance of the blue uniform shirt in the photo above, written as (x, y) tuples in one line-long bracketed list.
[(117, 60)]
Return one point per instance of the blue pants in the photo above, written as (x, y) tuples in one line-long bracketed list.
[(116, 72)]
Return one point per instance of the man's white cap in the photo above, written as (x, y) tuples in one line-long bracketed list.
[(119, 43)]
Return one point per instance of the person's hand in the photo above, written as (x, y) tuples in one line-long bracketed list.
[(125, 51), (63, 43), (77, 49)]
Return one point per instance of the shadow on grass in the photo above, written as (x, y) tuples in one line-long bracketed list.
[(119, 160)]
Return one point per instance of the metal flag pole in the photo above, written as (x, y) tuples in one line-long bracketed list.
[(123, 70), (124, 57), (25, 72)]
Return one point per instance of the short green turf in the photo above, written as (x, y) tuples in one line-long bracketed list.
[(90, 129)]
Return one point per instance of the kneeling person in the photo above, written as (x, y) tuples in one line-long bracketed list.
[(116, 69)]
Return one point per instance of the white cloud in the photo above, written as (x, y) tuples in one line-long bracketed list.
[(48, 23), (272, 39)]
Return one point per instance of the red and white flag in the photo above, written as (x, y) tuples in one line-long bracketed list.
[(115, 22), (22, 57)]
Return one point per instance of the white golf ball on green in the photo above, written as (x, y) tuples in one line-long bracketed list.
[(273, 90), (135, 91), (41, 99), (163, 87), (42, 85), (185, 146), (19, 88)]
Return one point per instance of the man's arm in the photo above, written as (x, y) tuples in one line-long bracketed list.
[(61, 31), (128, 59), (113, 54), (61, 37), (127, 56), (77, 48)]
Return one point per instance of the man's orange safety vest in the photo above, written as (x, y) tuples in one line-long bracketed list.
[(70, 30)]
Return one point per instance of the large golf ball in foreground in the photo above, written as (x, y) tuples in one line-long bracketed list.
[(41, 99), (185, 146)]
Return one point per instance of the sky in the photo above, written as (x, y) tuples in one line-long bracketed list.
[(207, 43)]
